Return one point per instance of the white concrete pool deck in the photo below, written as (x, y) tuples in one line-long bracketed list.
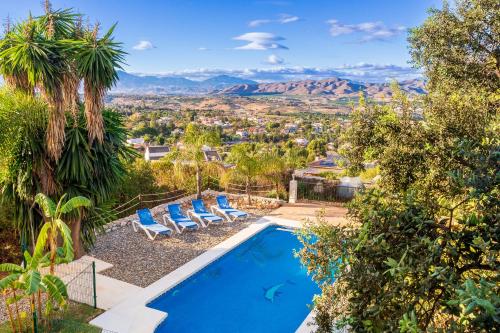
[(127, 311)]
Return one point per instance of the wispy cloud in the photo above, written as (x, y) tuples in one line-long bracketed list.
[(369, 31), (362, 72), (143, 45), (260, 41), (202, 48), (273, 59), (282, 19), (256, 23), (285, 18)]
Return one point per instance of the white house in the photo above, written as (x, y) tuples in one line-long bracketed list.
[(154, 153), (135, 141), (301, 142)]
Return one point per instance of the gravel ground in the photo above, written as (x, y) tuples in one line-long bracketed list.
[(139, 261)]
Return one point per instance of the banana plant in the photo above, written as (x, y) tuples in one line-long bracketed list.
[(32, 283), (55, 226)]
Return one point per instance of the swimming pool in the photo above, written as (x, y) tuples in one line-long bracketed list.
[(259, 286)]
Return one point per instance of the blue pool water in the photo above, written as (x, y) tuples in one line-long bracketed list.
[(257, 287)]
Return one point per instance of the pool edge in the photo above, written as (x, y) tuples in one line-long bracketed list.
[(128, 316)]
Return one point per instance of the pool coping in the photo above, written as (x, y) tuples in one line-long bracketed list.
[(133, 315)]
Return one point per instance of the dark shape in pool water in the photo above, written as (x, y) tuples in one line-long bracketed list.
[(229, 296)]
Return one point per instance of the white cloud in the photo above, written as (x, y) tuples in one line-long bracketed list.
[(256, 23), (362, 72), (273, 59), (143, 45), (285, 18), (370, 31), (260, 41), (203, 48), (282, 19)]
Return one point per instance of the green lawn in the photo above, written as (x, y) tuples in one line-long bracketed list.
[(75, 319)]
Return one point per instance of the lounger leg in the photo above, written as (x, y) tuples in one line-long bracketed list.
[(172, 222), (149, 235)]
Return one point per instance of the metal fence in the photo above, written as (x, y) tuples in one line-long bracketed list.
[(319, 190), (79, 278)]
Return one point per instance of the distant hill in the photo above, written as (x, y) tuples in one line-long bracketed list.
[(230, 85), (133, 83), (335, 87)]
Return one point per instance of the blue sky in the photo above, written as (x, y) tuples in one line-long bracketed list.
[(260, 39)]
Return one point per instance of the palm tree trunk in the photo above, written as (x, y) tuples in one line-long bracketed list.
[(198, 182), (76, 227), (247, 190)]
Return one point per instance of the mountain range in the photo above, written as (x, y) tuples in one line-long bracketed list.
[(334, 87), (230, 85), (133, 83)]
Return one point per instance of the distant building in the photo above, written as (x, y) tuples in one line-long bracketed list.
[(136, 141), (242, 134), (178, 131), (317, 127), (301, 142), (154, 153), (212, 155), (290, 129)]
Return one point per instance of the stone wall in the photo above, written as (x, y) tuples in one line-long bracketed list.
[(237, 200)]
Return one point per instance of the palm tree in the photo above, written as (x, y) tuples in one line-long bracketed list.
[(189, 159), (248, 164), (53, 53), (274, 167), (97, 60), (54, 225), (93, 171)]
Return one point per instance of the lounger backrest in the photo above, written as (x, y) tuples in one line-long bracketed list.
[(223, 202), (199, 206), (175, 211), (145, 216)]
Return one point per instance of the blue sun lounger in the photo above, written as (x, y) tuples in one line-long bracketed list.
[(149, 225), (201, 213), (178, 219), (224, 208)]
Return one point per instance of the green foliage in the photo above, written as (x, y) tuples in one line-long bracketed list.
[(90, 170), (189, 164), (458, 45), (422, 253), (316, 148)]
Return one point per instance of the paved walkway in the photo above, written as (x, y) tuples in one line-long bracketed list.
[(109, 291), (309, 210)]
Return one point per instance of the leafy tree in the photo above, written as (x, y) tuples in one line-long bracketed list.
[(317, 147), (249, 164), (422, 253), (189, 160), (458, 44)]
